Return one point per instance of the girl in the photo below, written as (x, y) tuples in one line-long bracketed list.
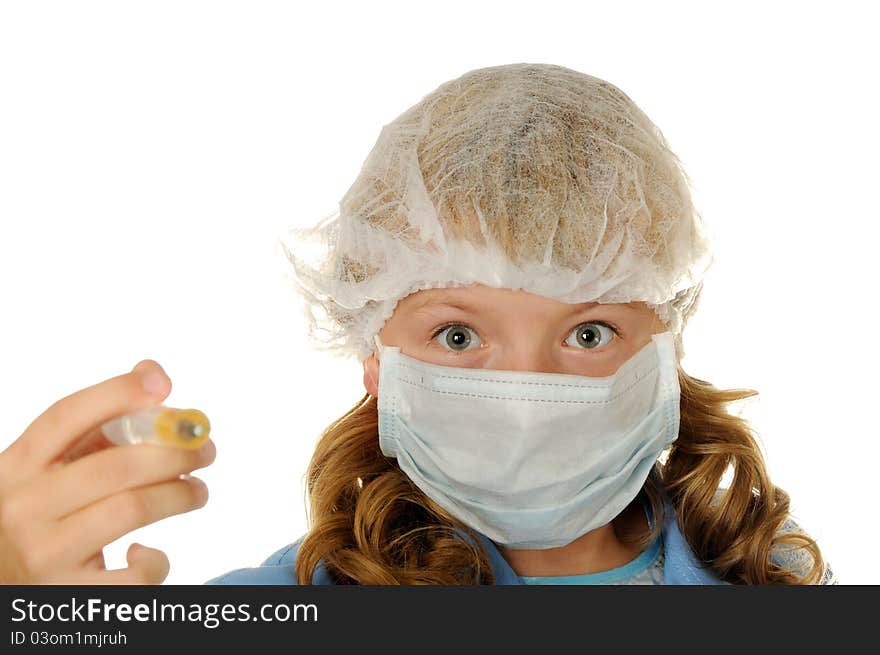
[(514, 266)]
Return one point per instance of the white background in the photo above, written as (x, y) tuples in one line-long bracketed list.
[(152, 152)]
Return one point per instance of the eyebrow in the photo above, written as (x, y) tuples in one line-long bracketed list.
[(447, 300), (450, 300)]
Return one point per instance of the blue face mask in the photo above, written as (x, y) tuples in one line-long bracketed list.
[(531, 460)]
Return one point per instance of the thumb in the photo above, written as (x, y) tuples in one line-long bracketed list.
[(147, 367)]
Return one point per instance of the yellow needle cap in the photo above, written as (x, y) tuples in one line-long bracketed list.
[(186, 428)]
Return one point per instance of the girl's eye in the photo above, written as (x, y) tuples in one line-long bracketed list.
[(593, 334), (456, 337)]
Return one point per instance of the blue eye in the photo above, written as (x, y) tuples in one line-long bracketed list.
[(456, 337), (592, 335)]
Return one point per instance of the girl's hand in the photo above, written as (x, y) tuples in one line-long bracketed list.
[(66, 491)]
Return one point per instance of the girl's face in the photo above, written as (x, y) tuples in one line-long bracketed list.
[(487, 327)]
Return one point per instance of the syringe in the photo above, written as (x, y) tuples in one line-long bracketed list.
[(184, 428)]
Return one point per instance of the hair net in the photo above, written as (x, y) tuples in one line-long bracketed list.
[(523, 176)]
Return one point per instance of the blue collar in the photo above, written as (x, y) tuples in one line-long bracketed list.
[(680, 565)]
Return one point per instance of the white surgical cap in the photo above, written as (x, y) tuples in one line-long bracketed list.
[(522, 176)]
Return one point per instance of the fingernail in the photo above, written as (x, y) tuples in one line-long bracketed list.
[(155, 383)]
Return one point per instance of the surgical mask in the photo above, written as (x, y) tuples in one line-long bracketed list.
[(531, 460)]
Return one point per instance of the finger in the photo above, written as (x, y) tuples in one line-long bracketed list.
[(63, 490), (82, 533), (93, 441), (146, 566), (57, 428)]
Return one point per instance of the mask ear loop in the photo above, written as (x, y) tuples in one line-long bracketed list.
[(379, 347)]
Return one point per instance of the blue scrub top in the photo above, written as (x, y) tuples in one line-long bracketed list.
[(680, 565)]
